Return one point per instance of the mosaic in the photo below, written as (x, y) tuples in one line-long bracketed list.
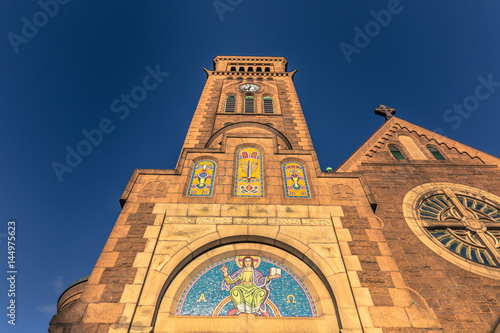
[(246, 284), (249, 176), (296, 185), (201, 184)]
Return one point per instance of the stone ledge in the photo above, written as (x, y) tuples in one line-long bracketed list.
[(245, 220), (250, 211)]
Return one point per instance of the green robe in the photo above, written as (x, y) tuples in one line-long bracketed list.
[(249, 294)]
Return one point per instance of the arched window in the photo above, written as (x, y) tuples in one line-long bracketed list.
[(268, 104), (249, 104), (250, 69), (242, 69), (267, 69), (202, 179), (259, 69), (295, 181), (436, 153), (396, 153), (233, 69), (249, 175), (230, 104)]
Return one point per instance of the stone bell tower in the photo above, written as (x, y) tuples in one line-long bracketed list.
[(250, 91), (247, 184)]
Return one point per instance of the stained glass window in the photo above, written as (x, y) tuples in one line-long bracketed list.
[(464, 225), (296, 185), (249, 176), (464, 243), (202, 179)]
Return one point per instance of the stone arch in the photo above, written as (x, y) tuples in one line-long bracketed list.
[(217, 136), (317, 273), (307, 270)]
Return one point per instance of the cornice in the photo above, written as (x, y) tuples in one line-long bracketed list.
[(249, 74)]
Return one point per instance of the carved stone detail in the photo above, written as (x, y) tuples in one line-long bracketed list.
[(214, 220), (285, 221), (180, 220), (316, 222), (343, 192), (250, 221), (155, 189)]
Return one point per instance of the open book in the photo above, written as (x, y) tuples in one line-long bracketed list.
[(275, 271)]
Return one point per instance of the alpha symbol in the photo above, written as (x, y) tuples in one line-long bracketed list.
[(202, 298)]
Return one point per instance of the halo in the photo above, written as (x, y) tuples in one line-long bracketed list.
[(239, 261)]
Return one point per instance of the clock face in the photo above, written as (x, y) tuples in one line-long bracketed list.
[(249, 87)]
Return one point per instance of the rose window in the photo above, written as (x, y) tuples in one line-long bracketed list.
[(464, 225)]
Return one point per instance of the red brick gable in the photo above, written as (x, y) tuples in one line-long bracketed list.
[(375, 149)]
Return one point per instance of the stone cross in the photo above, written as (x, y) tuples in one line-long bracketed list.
[(385, 111)]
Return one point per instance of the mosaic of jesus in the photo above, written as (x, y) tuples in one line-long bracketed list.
[(246, 284), (248, 287)]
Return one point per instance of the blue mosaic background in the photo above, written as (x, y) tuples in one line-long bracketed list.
[(208, 282)]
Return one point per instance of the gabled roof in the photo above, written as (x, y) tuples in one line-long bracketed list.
[(378, 138)]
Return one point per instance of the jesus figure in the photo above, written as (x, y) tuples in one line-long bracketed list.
[(250, 288)]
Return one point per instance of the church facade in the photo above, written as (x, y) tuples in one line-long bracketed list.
[(248, 234)]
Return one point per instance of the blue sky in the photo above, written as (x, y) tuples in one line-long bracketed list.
[(60, 78)]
